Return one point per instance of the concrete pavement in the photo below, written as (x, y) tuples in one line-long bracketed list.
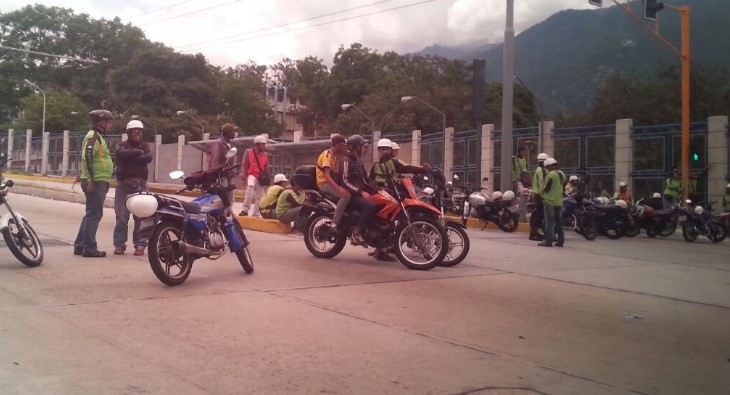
[(512, 319)]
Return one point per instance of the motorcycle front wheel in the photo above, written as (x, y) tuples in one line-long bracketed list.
[(508, 221), (169, 264), (632, 227), (458, 246), (421, 246), (321, 239), (26, 246), (588, 228), (716, 231), (244, 256), (689, 232), (668, 228)]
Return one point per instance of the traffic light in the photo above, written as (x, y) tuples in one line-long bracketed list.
[(597, 3), (476, 78), (651, 8)]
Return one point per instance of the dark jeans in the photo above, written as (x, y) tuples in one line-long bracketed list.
[(121, 230), (86, 239), (293, 215), (366, 209), (537, 216), (554, 223)]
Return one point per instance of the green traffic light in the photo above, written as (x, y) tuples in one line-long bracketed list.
[(695, 157)]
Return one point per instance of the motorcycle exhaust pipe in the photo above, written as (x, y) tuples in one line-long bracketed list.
[(191, 249)]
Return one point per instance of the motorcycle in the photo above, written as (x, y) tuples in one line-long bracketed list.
[(414, 230), (181, 232), (432, 193), (657, 222), (613, 222), (503, 212), (580, 214), (701, 222), (19, 236)]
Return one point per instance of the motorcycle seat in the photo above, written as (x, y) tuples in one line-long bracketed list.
[(190, 207)]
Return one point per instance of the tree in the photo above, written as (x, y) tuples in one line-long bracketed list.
[(59, 117)]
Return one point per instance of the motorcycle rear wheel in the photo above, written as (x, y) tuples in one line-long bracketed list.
[(18, 243), (425, 239), (244, 256), (689, 232), (508, 221), (668, 229), (588, 228), (716, 232), (164, 257), (612, 229), (320, 238), (632, 227), (458, 246)]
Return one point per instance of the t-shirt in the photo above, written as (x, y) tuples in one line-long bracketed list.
[(325, 159), (283, 205), (269, 198)]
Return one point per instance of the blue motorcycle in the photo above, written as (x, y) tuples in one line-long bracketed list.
[(181, 232)]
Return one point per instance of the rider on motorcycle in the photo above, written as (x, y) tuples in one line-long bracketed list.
[(623, 193), (571, 188), (354, 180), (388, 167)]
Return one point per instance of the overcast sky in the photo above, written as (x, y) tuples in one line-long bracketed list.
[(229, 32)]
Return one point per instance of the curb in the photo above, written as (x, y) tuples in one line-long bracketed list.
[(474, 223), (263, 225)]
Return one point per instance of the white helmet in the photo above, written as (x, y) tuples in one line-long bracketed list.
[(542, 156), (142, 205), (601, 200), (509, 195), (496, 195), (621, 184), (395, 145), (280, 178), (622, 203), (550, 161), (260, 139), (385, 143), (656, 195), (135, 124), (428, 191), (728, 186), (699, 210), (573, 178)]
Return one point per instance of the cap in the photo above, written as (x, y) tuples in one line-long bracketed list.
[(101, 114), (338, 139)]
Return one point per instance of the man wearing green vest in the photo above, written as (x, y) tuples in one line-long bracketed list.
[(520, 175), (96, 173), (552, 195), (387, 167), (673, 190), (539, 214), (726, 199)]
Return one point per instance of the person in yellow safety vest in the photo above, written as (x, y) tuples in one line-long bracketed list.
[(726, 199), (537, 181), (673, 190), (552, 195), (623, 193), (692, 192), (571, 188), (388, 167), (520, 173)]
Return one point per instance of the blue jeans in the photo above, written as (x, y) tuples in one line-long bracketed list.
[(86, 239), (367, 210), (121, 230), (554, 223)]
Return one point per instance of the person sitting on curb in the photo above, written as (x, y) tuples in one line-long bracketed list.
[(288, 206), (269, 201)]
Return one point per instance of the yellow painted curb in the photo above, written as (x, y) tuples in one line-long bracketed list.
[(477, 224), (264, 225)]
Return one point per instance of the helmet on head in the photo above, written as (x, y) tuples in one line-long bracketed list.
[(656, 195), (542, 156), (621, 184), (509, 195), (622, 204), (728, 186), (496, 195), (134, 124), (573, 178), (260, 139), (99, 115), (385, 143), (395, 145), (428, 191), (699, 210), (550, 162), (601, 200), (355, 141), (280, 178)]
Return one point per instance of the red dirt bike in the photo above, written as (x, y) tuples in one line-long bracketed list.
[(414, 230)]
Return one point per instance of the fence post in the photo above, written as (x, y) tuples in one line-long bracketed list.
[(28, 141), (374, 145), (624, 153), (10, 147), (64, 161), (206, 136), (487, 165), (416, 147), (548, 136), (180, 146), (449, 153), (717, 159), (44, 153), (297, 136), (158, 143)]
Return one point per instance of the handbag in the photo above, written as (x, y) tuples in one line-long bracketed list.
[(264, 177)]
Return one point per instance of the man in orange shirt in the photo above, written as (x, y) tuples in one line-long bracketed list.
[(255, 173)]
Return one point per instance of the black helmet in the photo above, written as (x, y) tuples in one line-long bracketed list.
[(98, 115), (355, 141)]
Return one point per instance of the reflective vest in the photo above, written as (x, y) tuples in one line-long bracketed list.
[(554, 196), (537, 180), (673, 188), (383, 171)]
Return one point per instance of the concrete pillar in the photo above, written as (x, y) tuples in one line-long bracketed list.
[(449, 153), (624, 153), (717, 159), (125, 136), (297, 136), (487, 165), (374, 143), (9, 163), (204, 165), (64, 161), (416, 147), (180, 146), (548, 138), (44, 153), (28, 140), (158, 143)]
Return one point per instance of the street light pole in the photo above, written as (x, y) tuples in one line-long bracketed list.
[(37, 88), (507, 98), (202, 128), (345, 106), (542, 112), (443, 118)]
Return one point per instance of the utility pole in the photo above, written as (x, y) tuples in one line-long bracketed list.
[(507, 98)]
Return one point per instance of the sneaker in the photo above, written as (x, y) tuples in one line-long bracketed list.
[(545, 244), (536, 238), (243, 213), (558, 244), (138, 251), (357, 240), (384, 256), (119, 250)]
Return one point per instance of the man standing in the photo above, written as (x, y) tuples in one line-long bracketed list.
[(672, 190), (552, 195), (96, 173), (327, 176), (217, 153), (255, 173), (537, 182), (132, 156), (519, 171)]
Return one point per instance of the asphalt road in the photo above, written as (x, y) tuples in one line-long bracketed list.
[(512, 319)]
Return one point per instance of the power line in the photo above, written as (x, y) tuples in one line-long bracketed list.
[(311, 26), (282, 25), (49, 54), (191, 12), (158, 9)]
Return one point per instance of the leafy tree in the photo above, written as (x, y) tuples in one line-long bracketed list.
[(60, 106)]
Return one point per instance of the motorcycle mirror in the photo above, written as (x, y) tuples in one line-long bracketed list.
[(177, 174), (425, 178), (231, 152), (688, 201)]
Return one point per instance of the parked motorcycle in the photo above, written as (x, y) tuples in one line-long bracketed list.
[(181, 232), (657, 222), (414, 230), (613, 222), (701, 222), (19, 236), (580, 214), (501, 210)]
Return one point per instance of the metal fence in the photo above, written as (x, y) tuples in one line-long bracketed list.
[(432, 149), (521, 137), (466, 156)]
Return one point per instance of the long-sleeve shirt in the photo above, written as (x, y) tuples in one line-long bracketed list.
[(354, 175), (132, 159), (217, 153)]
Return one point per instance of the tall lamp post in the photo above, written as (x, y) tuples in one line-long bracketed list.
[(38, 89), (202, 128), (405, 99), (542, 112), (350, 105)]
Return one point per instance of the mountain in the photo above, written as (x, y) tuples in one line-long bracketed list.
[(460, 52)]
